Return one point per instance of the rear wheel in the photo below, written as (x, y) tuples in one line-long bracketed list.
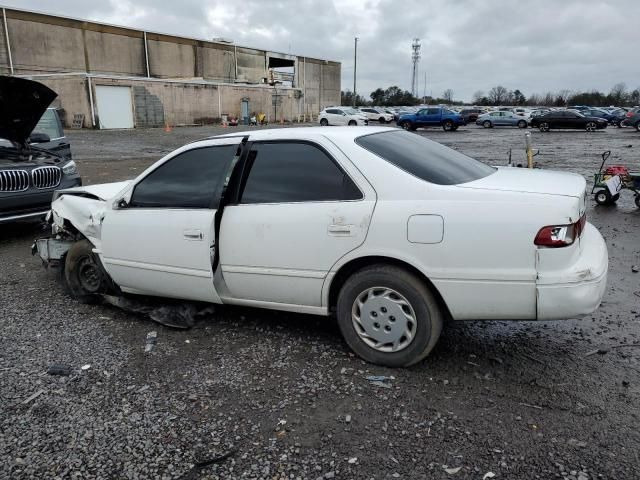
[(324, 122), (447, 126), (83, 272), (486, 124), (544, 127), (388, 316), (522, 124), (591, 127)]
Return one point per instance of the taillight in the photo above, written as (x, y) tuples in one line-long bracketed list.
[(629, 114), (555, 236)]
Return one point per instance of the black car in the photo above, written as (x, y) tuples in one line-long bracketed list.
[(29, 174), (565, 119), (471, 114)]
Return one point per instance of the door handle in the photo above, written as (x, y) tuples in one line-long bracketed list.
[(340, 230), (193, 235)]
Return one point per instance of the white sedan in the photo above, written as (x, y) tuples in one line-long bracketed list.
[(392, 232)]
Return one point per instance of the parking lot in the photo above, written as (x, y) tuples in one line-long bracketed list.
[(283, 397)]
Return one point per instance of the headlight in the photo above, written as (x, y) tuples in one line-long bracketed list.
[(70, 168)]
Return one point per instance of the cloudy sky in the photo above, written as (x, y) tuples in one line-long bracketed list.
[(467, 45)]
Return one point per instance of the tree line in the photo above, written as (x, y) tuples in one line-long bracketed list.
[(619, 95)]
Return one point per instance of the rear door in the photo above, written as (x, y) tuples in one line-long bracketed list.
[(162, 243), (301, 207), (333, 116)]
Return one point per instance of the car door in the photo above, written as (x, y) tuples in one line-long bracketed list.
[(433, 117), (333, 117), (161, 242), (341, 117), (299, 211)]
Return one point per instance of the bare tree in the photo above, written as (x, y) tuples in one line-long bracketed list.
[(618, 93), (477, 97), (498, 95), (547, 99), (563, 96), (448, 95)]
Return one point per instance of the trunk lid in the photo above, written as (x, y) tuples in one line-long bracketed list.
[(22, 103)]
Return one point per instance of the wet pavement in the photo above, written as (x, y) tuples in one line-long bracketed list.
[(282, 395)]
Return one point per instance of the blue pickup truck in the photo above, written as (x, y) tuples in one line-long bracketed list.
[(432, 117)]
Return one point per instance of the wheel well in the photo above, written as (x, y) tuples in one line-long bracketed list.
[(353, 266)]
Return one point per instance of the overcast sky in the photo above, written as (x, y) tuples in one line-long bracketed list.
[(467, 45)]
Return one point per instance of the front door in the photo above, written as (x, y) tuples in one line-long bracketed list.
[(299, 211), (162, 243)]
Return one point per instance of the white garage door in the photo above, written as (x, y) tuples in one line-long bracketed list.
[(114, 106)]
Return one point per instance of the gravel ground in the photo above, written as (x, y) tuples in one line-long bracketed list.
[(281, 394)]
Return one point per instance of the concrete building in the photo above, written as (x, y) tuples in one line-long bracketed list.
[(119, 77)]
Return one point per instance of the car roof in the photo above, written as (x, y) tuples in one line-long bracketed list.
[(305, 133)]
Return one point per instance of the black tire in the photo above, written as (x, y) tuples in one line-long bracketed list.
[(603, 197), (324, 122), (83, 272), (543, 127), (522, 124), (382, 120), (447, 126), (427, 312), (407, 126), (352, 123), (455, 127), (591, 127), (487, 124), (637, 200), (637, 126)]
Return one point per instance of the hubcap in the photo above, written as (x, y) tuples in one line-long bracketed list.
[(89, 275), (384, 319)]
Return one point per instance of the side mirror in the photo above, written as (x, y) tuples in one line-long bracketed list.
[(39, 138)]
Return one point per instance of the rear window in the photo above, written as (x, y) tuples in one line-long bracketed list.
[(424, 158)]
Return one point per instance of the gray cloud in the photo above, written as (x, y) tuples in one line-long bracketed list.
[(468, 45)]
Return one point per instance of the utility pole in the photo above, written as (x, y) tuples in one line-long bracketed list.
[(415, 57), (355, 66)]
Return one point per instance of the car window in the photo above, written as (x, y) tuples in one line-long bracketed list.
[(433, 111), (494, 114), (286, 172), (49, 125), (333, 111), (191, 179), (424, 158), (422, 111)]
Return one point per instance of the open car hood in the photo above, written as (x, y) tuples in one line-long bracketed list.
[(22, 103)]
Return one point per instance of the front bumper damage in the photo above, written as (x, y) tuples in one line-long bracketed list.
[(52, 249)]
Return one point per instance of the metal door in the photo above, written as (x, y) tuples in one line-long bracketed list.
[(115, 109)]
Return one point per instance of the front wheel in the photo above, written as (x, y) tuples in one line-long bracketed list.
[(83, 273), (447, 126), (637, 126), (603, 197), (388, 316), (522, 124), (486, 124), (591, 127), (544, 127), (352, 123), (382, 120), (407, 126)]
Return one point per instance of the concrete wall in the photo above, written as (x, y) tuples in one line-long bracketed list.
[(43, 44)]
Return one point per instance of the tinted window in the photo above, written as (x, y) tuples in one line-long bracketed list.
[(424, 158), (295, 172), (333, 110), (433, 111), (192, 179), (49, 125)]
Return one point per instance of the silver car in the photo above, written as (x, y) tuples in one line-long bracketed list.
[(501, 119)]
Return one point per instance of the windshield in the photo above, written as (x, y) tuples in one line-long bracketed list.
[(424, 158)]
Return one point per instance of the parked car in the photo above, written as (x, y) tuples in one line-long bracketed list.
[(341, 116), (392, 232), (501, 119), (471, 114), (402, 111), (632, 118), (376, 114), (618, 117), (538, 112), (32, 163), (432, 117), (596, 112), (566, 119)]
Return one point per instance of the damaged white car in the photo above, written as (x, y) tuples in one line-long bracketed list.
[(393, 232)]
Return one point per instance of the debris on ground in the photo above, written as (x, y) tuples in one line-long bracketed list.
[(59, 369), (488, 475), (33, 397), (199, 465), (152, 339), (85, 367), (175, 314), (635, 269), (452, 471)]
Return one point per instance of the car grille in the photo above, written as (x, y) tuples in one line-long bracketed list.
[(13, 180), (46, 177)]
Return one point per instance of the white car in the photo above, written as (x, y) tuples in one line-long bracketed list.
[(341, 116), (393, 232), (376, 114)]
